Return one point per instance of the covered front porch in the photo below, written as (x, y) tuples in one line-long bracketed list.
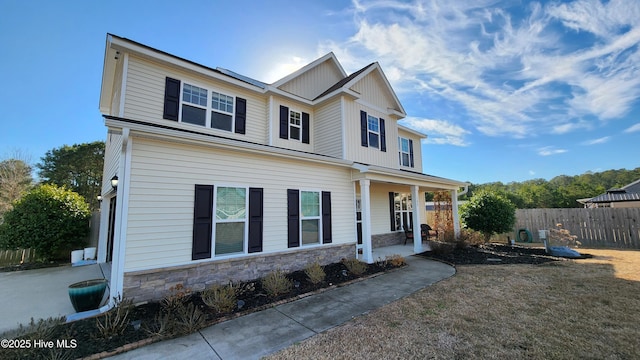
[(388, 202)]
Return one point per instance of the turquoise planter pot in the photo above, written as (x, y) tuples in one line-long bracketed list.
[(87, 295)]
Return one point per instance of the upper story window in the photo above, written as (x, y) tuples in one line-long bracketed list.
[(196, 105), (295, 124), (405, 154), (372, 131), (373, 126)]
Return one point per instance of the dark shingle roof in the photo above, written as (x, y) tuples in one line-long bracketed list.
[(342, 82), (630, 192)]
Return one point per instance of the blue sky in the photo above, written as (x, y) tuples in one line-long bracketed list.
[(505, 90)]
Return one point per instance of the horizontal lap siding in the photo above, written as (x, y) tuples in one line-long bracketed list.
[(357, 152), (328, 130), (145, 98), (275, 123), (417, 149), (163, 176), (112, 154)]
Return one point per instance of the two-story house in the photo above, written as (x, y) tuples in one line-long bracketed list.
[(211, 176)]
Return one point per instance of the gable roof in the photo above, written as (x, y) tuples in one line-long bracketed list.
[(330, 57), (629, 192), (349, 81)]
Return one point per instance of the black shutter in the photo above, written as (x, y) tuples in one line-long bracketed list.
[(364, 129), (284, 122), (392, 210), (171, 99), (293, 217), (326, 217), (305, 128), (383, 137), (202, 222), (241, 115), (411, 152), (255, 219)]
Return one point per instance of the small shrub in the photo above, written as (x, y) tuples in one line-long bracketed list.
[(396, 260), (222, 299), (188, 319), (115, 321), (178, 294), (161, 325), (441, 247), (315, 273), (355, 266), (563, 237), (276, 283)]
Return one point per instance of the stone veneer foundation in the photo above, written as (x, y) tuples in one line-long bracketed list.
[(382, 240), (155, 284)]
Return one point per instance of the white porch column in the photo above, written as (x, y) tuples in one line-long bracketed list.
[(365, 201), (454, 212), (417, 215)]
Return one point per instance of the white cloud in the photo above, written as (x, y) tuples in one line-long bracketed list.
[(550, 150), (438, 131), (601, 140), (633, 128), (559, 68)]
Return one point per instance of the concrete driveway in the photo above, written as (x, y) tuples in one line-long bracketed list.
[(40, 293)]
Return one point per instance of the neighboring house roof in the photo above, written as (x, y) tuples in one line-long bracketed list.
[(629, 192)]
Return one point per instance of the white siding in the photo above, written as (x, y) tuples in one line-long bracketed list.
[(380, 207), (417, 150), (145, 98), (328, 129), (163, 175), (356, 152), (275, 123), (115, 94), (375, 91), (112, 153), (314, 82)]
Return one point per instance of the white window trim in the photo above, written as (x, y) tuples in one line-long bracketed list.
[(409, 212), (297, 126), (400, 138), (369, 131), (209, 108), (301, 217), (245, 240)]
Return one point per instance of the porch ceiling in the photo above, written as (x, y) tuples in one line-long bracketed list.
[(406, 178)]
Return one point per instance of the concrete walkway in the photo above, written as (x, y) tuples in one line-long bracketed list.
[(265, 332), (39, 293)]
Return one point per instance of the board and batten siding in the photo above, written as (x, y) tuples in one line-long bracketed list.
[(374, 90), (144, 98), (313, 82), (163, 175), (367, 155), (328, 129)]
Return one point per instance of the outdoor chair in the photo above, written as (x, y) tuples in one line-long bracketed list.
[(408, 235), (427, 232)]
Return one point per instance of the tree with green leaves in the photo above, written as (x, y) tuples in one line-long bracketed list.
[(489, 213), (15, 180), (51, 220), (78, 167)]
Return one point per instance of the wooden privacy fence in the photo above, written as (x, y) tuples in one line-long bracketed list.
[(14, 257), (600, 227)]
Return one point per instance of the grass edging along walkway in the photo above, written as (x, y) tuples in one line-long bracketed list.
[(568, 309)]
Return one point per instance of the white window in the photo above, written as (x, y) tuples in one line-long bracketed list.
[(403, 211), (373, 126), (295, 124), (199, 109), (231, 220), (310, 217), (405, 152)]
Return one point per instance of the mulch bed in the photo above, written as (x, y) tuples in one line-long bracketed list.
[(491, 254), (89, 344)]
